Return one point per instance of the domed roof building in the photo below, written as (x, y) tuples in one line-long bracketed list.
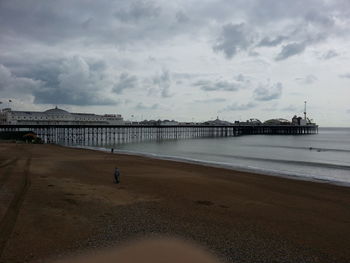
[(58, 116), (56, 111), (279, 121)]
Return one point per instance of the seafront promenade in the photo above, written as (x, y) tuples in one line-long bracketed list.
[(56, 201)]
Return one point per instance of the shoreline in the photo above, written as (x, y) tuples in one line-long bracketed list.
[(258, 171), (72, 205)]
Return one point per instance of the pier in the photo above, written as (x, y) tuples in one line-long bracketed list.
[(108, 134)]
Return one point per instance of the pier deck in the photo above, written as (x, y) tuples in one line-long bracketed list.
[(110, 134)]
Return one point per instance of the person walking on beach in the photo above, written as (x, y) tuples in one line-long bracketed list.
[(112, 150), (117, 176)]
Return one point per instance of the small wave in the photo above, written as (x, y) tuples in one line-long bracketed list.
[(316, 164), (305, 148)]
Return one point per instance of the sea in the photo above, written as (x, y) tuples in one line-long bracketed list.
[(323, 157)]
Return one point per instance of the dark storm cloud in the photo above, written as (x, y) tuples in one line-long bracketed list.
[(125, 82), (291, 50), (240, 107), (220, 85), (265, 93), (233, 38)]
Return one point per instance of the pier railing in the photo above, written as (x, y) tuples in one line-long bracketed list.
[(108, 134)]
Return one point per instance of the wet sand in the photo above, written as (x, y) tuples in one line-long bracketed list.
[(56, 201)]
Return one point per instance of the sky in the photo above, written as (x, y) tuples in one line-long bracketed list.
[(189, 60)]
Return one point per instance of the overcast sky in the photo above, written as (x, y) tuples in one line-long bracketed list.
[(182, 59)]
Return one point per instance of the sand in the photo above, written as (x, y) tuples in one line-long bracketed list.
[(56, 201)]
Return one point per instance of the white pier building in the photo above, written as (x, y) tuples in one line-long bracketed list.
[(57, 116)]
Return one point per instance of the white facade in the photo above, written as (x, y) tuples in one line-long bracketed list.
[(58, 117)]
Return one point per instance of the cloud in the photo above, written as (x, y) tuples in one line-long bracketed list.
[(239, 107), (188, 76), (221, 85), (299, 23), (39, 39), (181, 17), (268, 42), (214, 100), (253, 53), (243, 78), (106, 23), (309, 79), (330, 54), (140, 22), (163, 82), (291, 49), (345, 76), (313, 11), (141, 106), (264, 93), (272, 107), (324, 20), (290, 108), (137, 11), (125, 82), (233, 39), (11, 83), (74, 82)]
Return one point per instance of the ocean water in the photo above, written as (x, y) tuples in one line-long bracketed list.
[(323, 157)]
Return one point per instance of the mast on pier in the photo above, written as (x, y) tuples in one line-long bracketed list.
[(304, 110)]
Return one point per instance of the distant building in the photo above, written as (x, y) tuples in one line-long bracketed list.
[(249, 122), (159, 122), (149, 122), (57, 116), (298, 121), (217, 122), (279, 121), (169, 123)]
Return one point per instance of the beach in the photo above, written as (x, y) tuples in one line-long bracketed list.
[(56, 201)]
